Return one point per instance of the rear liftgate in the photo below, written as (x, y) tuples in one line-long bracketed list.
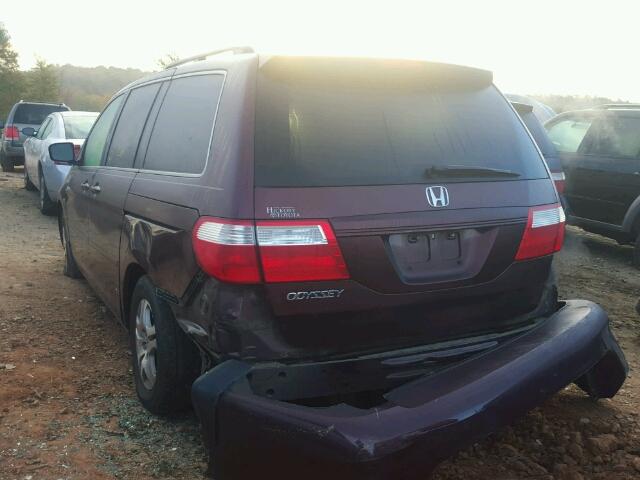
[(413, 426)]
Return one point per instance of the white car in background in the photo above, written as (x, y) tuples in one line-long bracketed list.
[(40, 172)]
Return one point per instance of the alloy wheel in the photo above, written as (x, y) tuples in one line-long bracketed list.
[(146, 345)]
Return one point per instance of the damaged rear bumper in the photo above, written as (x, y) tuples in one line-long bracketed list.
[(419, 423)]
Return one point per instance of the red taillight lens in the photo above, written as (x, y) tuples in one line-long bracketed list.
[(290, 251), (298, 251), (544, 233), (559, 180), (226, 249), (11, 132), (76, 151)]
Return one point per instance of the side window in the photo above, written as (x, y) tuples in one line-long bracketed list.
[(49, 129), (44, 128), (614, 137), (567, 134), (184, 125), (94, 146), (126, 136)]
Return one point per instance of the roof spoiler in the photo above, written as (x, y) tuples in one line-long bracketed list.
[(522, 108), (374, 73)]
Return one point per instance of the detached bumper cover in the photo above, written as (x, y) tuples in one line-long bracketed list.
[(421, 423)]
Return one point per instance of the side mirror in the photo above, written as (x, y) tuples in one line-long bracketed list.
[(29, 131), (62, 153)]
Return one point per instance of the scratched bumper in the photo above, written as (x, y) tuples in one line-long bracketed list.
[(419, 423)]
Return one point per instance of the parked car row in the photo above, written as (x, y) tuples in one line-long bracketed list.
[(346, 262), (22, 115), (30, 129)]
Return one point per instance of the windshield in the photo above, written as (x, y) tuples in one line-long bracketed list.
[(30, 114), (321, 134), (78, 127)]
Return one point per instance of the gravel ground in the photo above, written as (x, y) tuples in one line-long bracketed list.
[(68, 410)]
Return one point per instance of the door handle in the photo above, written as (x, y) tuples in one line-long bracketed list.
[(95, 188), (84, 185)]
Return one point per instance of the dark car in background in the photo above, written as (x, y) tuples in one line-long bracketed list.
[(22, 115), (544, 143), (356, 253), (600, 152), (541, 110)]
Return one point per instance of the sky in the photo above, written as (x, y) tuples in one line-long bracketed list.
[(535, 47)]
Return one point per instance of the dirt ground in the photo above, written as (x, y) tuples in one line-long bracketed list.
[(68, 410)]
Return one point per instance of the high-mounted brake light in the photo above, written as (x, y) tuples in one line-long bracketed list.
[(298, 251), (11, 132), (559, 180), (289, 251), (544, 232)]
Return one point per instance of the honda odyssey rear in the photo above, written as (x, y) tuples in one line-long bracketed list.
[(352, 256), (396, 204)]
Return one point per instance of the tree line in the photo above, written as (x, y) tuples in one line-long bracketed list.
[(83, 88)]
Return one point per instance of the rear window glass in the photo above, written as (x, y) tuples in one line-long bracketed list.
[(321, 134), (35, 114), (615, 137), (539, 134), (78, 127), (184, 125)]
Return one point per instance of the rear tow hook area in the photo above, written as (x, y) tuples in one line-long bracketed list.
[(416, 425)]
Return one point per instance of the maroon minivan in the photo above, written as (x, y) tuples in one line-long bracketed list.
[(351, 258)]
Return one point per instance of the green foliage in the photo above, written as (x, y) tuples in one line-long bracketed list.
[(10, 76), (42, 83), (564, 103), (83, 88)]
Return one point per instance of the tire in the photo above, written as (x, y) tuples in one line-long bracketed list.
[(70, 268), (165, 361), (28, 185), (636, 252), (47, 206), (6, 162)]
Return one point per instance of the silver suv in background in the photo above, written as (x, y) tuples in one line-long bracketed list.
[(22, 115), (40, 172)]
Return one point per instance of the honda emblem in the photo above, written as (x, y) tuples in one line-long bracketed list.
[(437, 196)]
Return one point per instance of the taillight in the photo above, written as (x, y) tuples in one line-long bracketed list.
[(289, 251), (226, 249), (298, 251), (11, 132), (76, 151), (544, 233), (559, 180)]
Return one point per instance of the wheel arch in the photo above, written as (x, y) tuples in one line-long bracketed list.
[(631, 222), (132, 274)]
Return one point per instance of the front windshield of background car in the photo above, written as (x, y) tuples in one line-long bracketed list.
[(30, 114), (78, 126)]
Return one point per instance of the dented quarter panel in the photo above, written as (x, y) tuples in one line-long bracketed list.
[(163, 252)]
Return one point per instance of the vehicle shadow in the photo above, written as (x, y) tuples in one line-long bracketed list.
[(599, 246)]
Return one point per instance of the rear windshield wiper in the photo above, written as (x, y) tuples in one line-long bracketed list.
[(467, 171)]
